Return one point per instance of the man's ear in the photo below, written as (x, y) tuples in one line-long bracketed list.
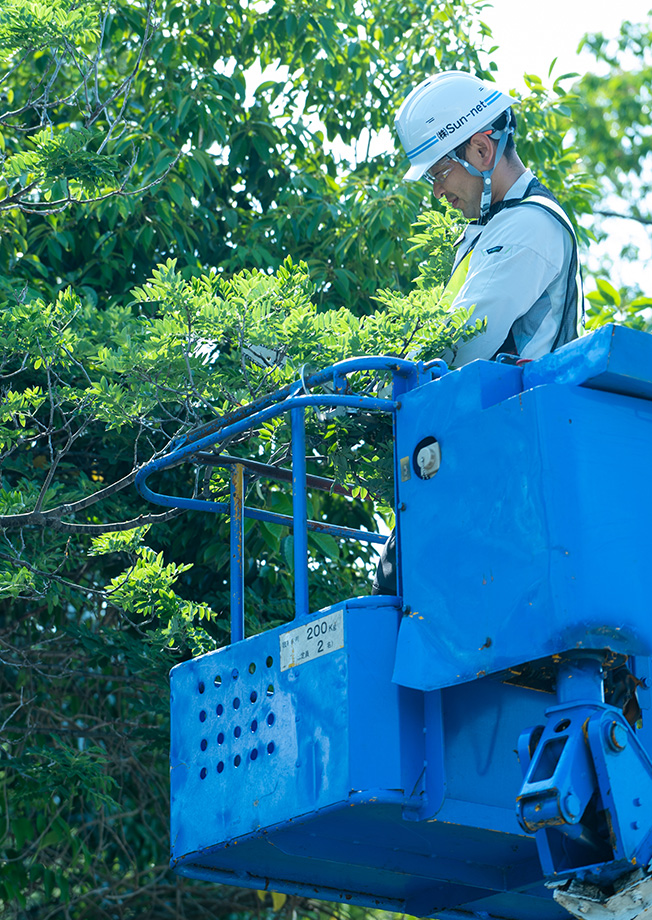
[(480, 151)]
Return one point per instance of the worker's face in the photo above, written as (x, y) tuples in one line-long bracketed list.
[(451, 180), (460, 189)]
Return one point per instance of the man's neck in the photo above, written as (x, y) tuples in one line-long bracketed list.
[(505, 175)]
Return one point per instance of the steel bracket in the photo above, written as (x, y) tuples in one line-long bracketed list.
[(587, 789)]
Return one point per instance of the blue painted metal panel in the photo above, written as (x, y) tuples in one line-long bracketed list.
[(287, 736), (373, 794), (481, 724), (613, 358), (537, 518)]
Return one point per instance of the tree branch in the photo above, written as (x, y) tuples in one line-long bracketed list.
[(56, 207), (52, 520), (646, 221), (52, 517)]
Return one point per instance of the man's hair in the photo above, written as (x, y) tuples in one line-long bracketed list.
[(505, 119)]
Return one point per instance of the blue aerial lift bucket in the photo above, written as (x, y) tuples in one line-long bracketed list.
[(446, 752)]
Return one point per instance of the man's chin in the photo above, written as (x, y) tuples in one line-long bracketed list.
[(469, 211)]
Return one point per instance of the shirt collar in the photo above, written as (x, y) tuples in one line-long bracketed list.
[(518, 189)]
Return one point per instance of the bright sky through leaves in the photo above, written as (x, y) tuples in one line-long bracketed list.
[(529, 37)]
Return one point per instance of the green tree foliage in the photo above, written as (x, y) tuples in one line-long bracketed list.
[(614, 130), (214, 141), (154, 111), (613, 134), (547, 115)]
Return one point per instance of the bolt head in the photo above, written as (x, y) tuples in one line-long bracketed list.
[(617, 737), (572, 805)]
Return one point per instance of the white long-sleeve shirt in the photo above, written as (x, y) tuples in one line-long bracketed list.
[(517, 278)]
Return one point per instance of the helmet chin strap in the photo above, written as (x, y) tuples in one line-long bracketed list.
[(485, 175)]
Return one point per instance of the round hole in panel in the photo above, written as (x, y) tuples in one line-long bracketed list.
[(236, 703), (202, 716), (237, 731), (235, 674), (220, 766), (220, 738), (270, 661), (254, 754), (270, 747), (219, 709), (252, 668), (201, 686), (237, 760), (218, 680), (271, 718), (254, 725), (202, 773), (204, 744), (563, 725), (270, 690), (253, 696)]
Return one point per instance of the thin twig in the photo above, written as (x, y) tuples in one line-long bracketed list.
[(646, 221), (52, 521)]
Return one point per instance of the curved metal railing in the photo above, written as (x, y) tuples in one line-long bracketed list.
[(294, 398)]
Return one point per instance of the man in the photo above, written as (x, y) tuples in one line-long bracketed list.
[(516, 264)]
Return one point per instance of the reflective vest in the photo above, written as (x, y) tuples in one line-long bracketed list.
[(536, 195)]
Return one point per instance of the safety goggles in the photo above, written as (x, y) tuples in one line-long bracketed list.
[(437, 173)]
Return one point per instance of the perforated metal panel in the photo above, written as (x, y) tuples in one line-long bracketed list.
[(289, 736), (236, 712)]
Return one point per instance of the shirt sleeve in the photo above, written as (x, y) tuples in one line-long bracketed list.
[(511, 267)]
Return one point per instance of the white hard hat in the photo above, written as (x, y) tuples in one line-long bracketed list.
[(444, 111)]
